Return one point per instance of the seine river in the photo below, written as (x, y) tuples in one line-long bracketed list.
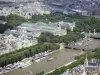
[(46, 66)]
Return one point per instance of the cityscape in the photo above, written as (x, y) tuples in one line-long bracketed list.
[(27, 8), (49, 37)]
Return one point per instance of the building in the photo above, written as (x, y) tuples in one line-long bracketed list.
[(25, 34), (81, 12), (9, 43), (91, 67), (67, 25), (36, 29), (25, 9)]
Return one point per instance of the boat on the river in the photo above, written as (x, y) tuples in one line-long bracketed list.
[(51, 58)]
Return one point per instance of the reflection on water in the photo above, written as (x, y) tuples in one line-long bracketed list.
[(44, 65)]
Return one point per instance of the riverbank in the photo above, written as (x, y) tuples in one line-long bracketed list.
[(25, 62), (79, 61), (67, 63), (61, 66), (44, 65), (27, 52), (87, 44)]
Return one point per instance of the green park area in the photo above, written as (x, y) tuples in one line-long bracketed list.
[(83, 23)]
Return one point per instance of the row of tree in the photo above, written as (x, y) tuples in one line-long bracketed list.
[(18, 55), (11, 21), (49, 37), (90, 23), (41, 73)]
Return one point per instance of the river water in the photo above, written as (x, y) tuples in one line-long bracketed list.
[(44, 65), (62, 59)]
